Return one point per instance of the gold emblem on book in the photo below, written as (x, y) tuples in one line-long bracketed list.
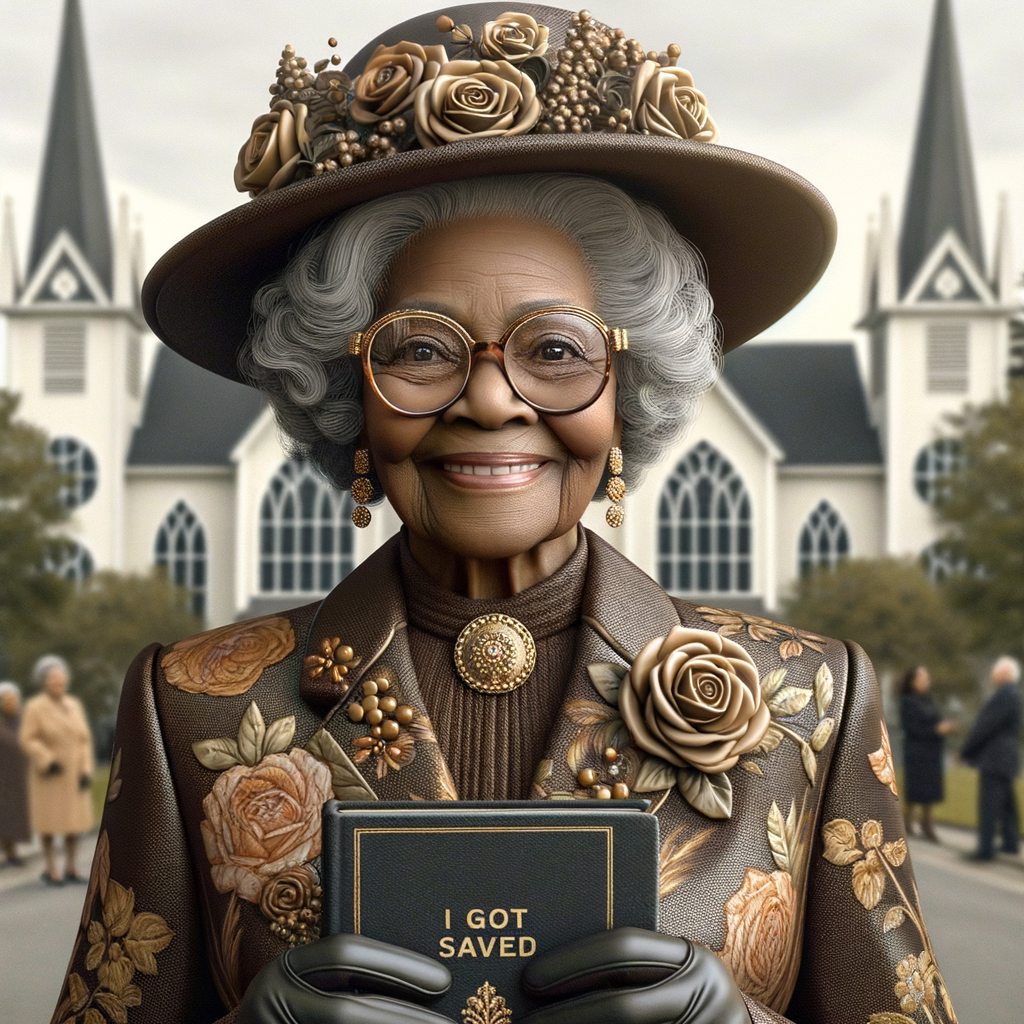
[(495, 654), (486, 1007)]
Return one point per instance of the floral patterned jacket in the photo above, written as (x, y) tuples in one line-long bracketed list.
[(791, 862)]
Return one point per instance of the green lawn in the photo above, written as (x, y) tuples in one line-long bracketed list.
[(99, 792), (961, 804)]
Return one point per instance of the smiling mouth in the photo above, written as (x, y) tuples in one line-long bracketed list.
[(477, 469), (491, 469)]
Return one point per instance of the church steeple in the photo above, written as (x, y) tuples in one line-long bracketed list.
[(941, 193), (72, 196)]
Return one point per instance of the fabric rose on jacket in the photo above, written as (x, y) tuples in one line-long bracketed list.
[(390, 79), (666, 103), (270, 156), (760, 921), (694, 698), (514, 37), (263, 820), (472, 99)]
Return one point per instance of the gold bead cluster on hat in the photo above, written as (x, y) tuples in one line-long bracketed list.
[(605, 784), (585, 91), (615, 489)]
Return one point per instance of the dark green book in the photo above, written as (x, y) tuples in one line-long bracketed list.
[(485, 886)]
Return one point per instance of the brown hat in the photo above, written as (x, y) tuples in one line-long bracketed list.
[(334, 139)]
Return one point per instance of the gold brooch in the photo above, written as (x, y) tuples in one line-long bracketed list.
[(495, 654)]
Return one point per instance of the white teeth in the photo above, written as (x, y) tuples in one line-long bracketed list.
[(477, 470)]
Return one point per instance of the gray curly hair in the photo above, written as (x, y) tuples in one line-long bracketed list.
[(647, 279), (44, 665)]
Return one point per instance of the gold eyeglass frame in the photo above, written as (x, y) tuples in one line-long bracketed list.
[(360, 343)]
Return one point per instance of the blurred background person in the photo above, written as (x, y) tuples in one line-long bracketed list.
[(993, 747), (13, 778), (924, 748), (55, 734)]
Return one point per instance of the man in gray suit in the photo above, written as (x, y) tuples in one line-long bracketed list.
[(993, 747)]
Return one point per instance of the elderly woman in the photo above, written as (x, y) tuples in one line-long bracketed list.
[(56, 737), (494, 270), (13, 778)]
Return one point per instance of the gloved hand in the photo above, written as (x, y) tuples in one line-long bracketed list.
[(346, 979), (55, 768), (632, 976), (84, 781)]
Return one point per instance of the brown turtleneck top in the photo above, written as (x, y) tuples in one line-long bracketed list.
[(492, 742)]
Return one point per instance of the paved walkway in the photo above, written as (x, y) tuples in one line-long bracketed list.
[(975, 913)]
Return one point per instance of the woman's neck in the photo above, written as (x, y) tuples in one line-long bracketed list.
[(493, 577)]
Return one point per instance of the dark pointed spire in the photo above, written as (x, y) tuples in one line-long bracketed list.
[(941, 192), (72, 196)]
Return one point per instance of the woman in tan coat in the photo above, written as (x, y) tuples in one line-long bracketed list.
[(55, 735)]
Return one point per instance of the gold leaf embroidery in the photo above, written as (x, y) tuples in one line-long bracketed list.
[(675, 860), (751, 766), (894, 917), (824, 689), (840, 839), (881, 763), (114, 785), (869, 880), (771, 682), (607, 678), (346, 781), (79, 992), (709, 794), (889, 1018), (227, 661), (769, 741), (486, 1007), (778, 838), (895, 853), (788, 701), (810, 762), (654, 775), (871, 834), (822, 733)]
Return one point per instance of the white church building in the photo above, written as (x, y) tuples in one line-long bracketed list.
[(800, 456)]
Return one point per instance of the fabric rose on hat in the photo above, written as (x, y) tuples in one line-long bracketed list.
[(472, 99), (514, 37), (665, 102), (270, 156), (693, 698), (264, 819), (390, 79)]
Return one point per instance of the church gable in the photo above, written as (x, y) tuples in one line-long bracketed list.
[(949, 275), (64, 275)]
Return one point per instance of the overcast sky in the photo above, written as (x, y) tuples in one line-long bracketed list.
[(829, 87)]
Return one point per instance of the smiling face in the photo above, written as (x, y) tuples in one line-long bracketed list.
[(490, 477)]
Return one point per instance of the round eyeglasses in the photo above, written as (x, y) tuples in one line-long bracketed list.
[(557, 360)]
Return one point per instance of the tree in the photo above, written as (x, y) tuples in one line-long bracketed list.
[(892, 610), (101, 628), (982, 506), (30, 512)]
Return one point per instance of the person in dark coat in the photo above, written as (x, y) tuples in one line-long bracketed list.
[(993, 747), (13, 778), (924, 732)]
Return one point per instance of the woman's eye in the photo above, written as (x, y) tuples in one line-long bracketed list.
[(423, 354), (552, 351)]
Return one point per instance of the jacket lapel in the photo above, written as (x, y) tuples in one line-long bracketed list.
[(624, 603), (366, 612)]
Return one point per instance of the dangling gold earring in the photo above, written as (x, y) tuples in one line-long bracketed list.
[(362, 489), (616, 489)]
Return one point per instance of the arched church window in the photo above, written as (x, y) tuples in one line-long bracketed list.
[(935, 463), (704, 527), (181, 549), (824, 539), (306, 534), (75, 461), (75, 563)]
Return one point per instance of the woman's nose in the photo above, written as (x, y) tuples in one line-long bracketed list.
[(489, 400)]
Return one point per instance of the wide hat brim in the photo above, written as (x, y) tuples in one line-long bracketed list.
[(765, 233)]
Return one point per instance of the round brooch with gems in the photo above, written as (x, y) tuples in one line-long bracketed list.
[(495, 654)]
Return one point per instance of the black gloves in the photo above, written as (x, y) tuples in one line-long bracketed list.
[(346, 979), (55, 768), (632, 976), (84, 781)]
